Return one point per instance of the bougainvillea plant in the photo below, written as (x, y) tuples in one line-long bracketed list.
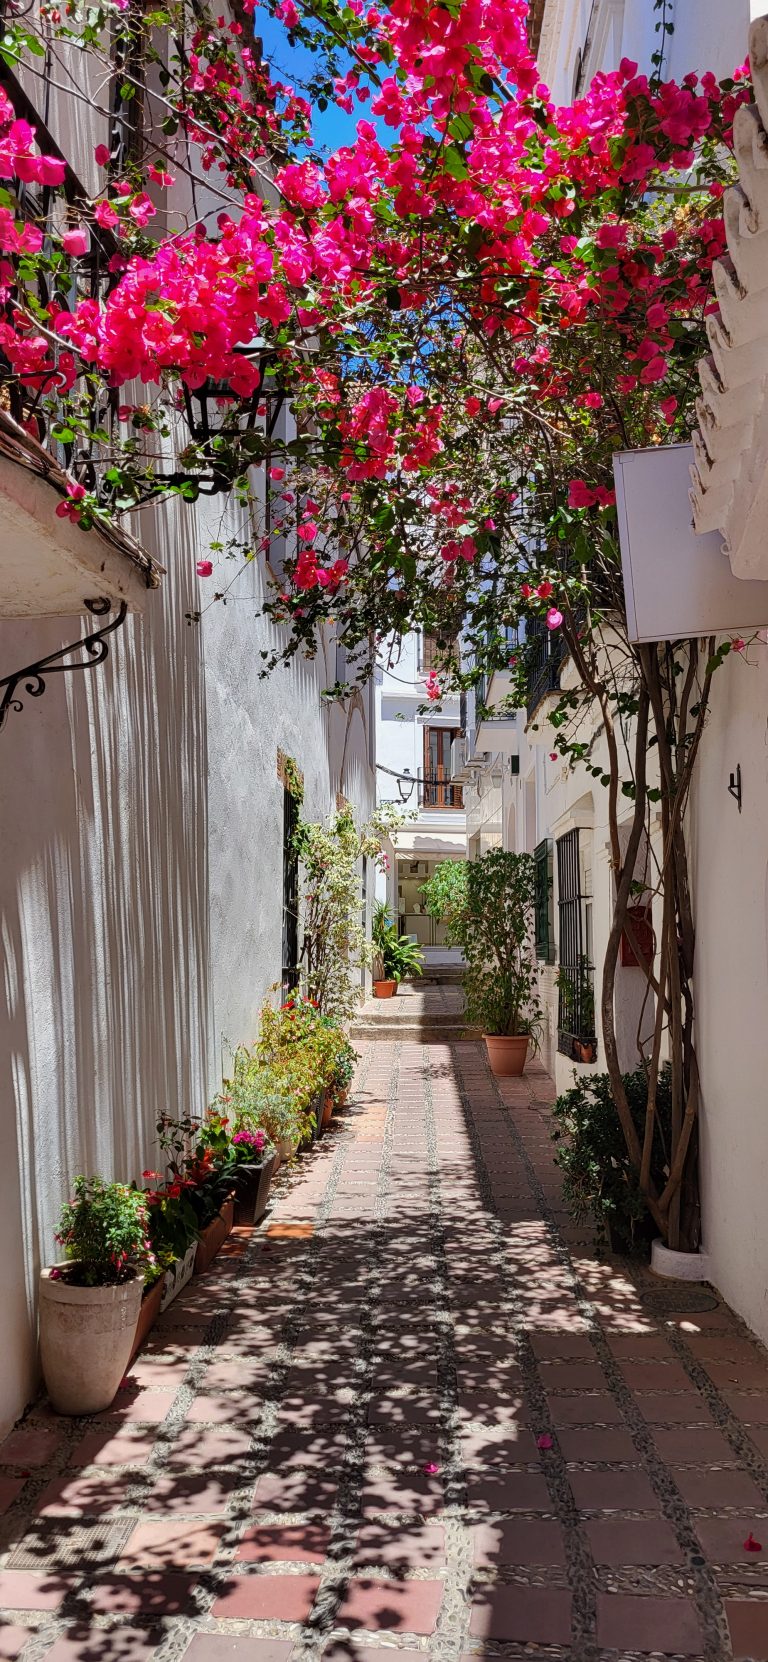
[(470, 307)]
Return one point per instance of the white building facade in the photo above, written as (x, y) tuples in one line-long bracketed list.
[(415, 754)]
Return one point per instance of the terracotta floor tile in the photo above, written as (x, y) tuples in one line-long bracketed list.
[(32, 1589), (748, 1627), (93, 1644), (12, 1641), (401, 1549), (684, 1446), (620, 1491), (226, 1647), (284, 1598), (540, 1615), (509, 1492), (10, 1489), (648, 1623), (127, 1447), (619, 1541), (94, 1495), (655, 1376), (584, 1410), (153, 1593), (30, 1446), (284, 1543), (517, 1541), (392, 1606), (722, 1539), (166, 1545), (711, 1490), (599, 1444), (751, 1410)]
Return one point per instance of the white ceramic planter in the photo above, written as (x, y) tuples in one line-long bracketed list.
[(86, 1338), (178, 1276), (678, 1266)]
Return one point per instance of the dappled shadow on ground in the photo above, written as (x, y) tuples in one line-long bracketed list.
[(406, 1410)]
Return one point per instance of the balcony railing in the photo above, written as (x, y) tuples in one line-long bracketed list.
[(438, 793), (545, 651)]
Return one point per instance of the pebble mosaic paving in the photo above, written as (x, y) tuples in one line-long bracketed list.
[(411, 1416)]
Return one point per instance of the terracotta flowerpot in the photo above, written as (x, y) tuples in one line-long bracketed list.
[(148, 1314), (251, 1200), (327, 1108), (506, 1053), (384, 989), (585, 1050), (86, 1337), (213, 1236)]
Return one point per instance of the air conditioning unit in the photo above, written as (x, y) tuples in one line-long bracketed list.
[(459, 760)]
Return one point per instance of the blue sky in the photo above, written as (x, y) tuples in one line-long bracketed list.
[(332, 127)]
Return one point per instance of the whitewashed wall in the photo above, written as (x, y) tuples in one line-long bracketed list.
[(141, 889), (708, 34)]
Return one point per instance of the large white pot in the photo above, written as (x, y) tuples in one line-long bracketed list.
[(86, 1339)]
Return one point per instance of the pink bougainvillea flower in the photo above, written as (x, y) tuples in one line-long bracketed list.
[(668, 407), (545, 1441), (553, 618), (432, 686), (159, 174), (580, 495), (76, 242), (738, 644), (544, 589), (68, 509), (431, 1468), (553, 755), (526, 590), (204, 568), (277, 473), (751, 1545), (101, 155)]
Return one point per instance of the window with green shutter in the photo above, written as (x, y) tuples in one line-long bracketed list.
[(544, 906)]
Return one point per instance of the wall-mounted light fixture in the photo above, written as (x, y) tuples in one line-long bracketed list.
[(734, 785)]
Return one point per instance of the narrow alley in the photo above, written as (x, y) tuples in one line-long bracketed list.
[(410, 1411)]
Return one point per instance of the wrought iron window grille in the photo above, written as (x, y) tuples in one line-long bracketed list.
[(576, 994)]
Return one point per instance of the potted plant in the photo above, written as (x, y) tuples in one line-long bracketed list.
[(173, 1233), (395, 956), (253, 1149), (492, 922), (89, 1304)]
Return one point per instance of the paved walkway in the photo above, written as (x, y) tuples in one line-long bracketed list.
[(411, 1413)]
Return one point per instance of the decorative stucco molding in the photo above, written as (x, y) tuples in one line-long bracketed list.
[(730, 472)]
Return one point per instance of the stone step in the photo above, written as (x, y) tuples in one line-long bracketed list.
[(428, 1029)]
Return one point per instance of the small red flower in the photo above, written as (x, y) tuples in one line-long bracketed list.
[(751, 1545)]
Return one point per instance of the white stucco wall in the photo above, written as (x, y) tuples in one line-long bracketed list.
[(730, 892), (708, 34), (141, 888)]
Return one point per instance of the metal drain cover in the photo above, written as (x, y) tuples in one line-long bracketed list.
[(50, 1545)]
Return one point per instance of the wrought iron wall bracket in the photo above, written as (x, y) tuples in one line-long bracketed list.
[(30, 682)]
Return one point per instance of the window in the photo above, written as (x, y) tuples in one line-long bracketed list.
[(290, 894), (429, 651), (576, 1003), (544, 922), (437, 790)]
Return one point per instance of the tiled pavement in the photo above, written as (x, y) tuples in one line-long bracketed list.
[(411, 1414)]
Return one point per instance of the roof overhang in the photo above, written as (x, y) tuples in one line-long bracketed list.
[(50, 566)]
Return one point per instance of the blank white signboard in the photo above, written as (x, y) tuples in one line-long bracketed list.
[(677, 584)]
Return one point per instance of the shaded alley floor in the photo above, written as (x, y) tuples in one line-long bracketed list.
[(410, 1413)]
